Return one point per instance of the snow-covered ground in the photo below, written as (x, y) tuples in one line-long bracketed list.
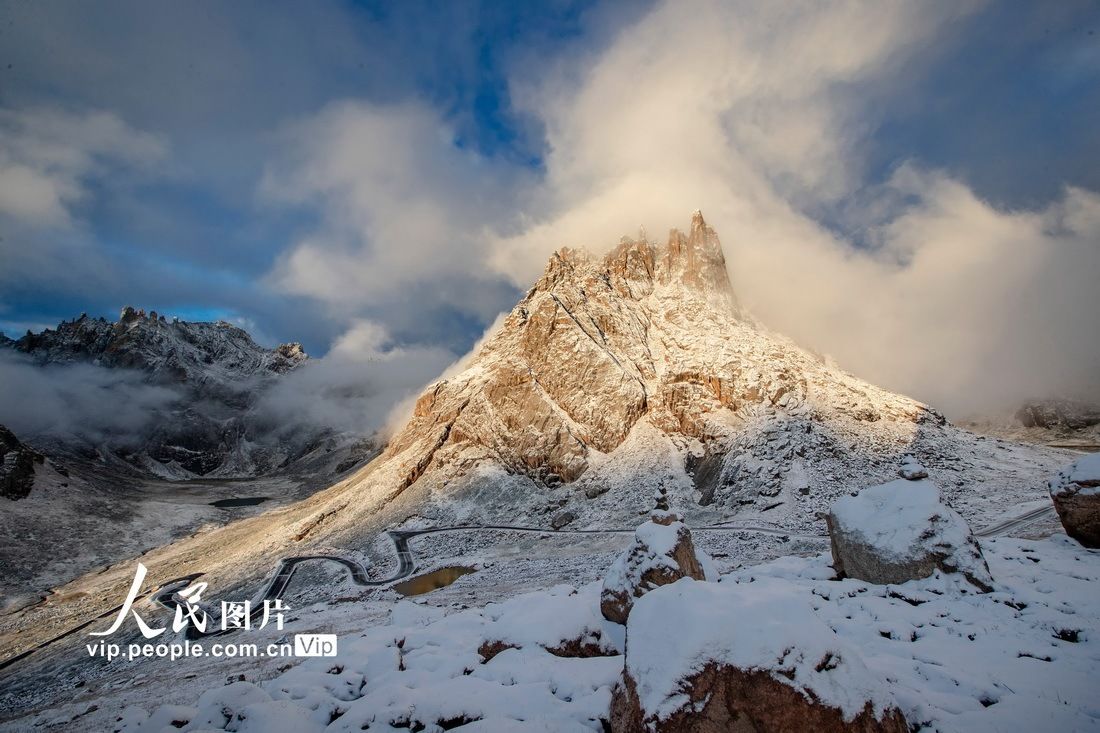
[(954, 660), (1024, 657)]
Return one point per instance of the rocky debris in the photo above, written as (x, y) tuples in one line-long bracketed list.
[(1055, 413), (16, 466), (742, 657), (595, 490), (709, 475), (492, 647), (561, 519), (662, 553), (1076, 495), (903, 531)]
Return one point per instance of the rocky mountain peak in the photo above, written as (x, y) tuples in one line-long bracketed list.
[(646, 339), (694, 262)]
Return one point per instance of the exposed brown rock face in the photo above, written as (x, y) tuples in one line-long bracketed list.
[(724, 698), (490, 649), (1080, 515), (1076, 495), (595, 345), (662, 553), (16, 466)]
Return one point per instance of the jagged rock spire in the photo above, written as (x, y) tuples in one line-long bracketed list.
[(697, 259), (636, 266)]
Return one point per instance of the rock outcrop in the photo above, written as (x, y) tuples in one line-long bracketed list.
[(708, 657), (1058, 414), (903, 531), (17, 463), (1076, 495), (911, 470), (662, 553)]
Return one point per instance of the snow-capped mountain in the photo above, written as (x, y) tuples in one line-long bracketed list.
[(208, 377), (617, 373)]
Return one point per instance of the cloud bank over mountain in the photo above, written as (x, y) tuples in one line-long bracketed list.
[(852, 155), (760, 116)]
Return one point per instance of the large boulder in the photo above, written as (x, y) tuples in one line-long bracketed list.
[(16, 466), (710, 657), (1076, 495), (1054, 414), (662, 553), (903, 531)]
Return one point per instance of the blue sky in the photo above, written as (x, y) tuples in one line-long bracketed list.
[(302, 169)]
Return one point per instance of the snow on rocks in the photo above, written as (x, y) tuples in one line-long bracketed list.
[(743, 657), (1076, 495), (903, 531), (662, 553), (911, 470), (1023, 657)]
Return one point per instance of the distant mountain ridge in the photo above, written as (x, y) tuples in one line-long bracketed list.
[(169, 351), (215, 371)]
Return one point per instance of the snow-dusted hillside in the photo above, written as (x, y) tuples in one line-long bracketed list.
[(197, 385), (1021, 658), (178, 401)]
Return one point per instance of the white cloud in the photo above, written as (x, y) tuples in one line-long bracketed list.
[(758, 114), (50, 162), (47, 155), (355, 385), (93, 402), (400, 202)]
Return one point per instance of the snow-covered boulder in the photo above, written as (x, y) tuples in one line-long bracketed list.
[(662, 553), (753, 658), (550, 621), (911, 470), (903, 531), (1076, 495)]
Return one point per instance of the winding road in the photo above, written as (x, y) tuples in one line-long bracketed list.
[(168, 595)]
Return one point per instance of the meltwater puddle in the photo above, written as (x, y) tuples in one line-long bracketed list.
[(239, 501), (434, 580)]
